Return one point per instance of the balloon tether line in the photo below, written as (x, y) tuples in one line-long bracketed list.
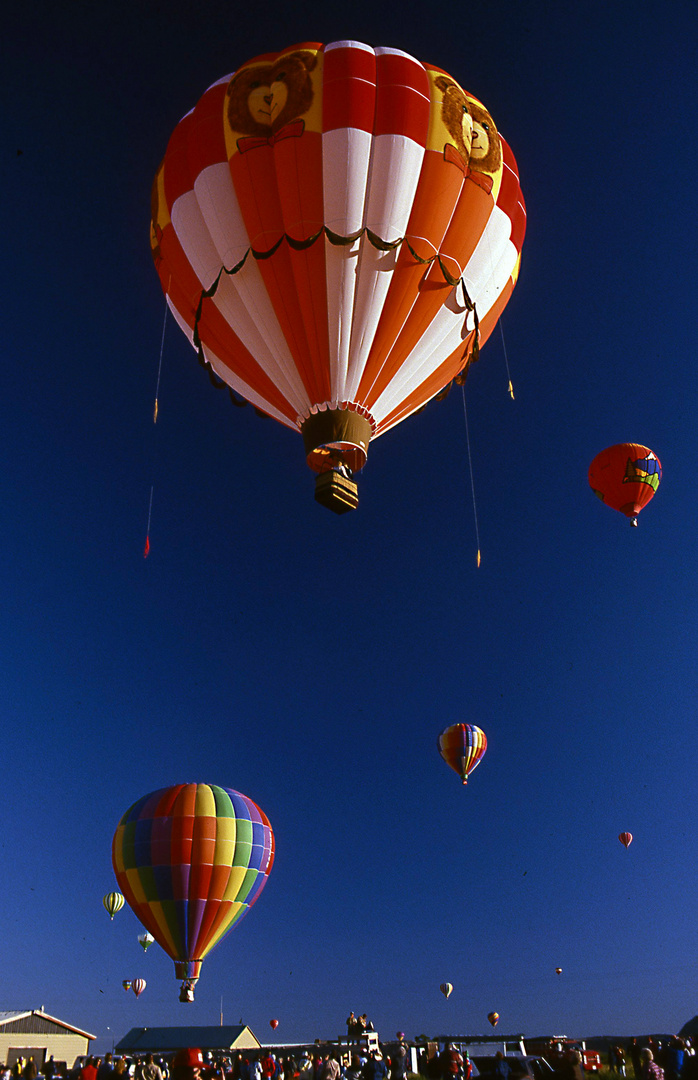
[(506, 359), (472, 480), (155, 420)]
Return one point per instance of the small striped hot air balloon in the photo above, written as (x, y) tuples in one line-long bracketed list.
[(493, 1018), (446, 989), (626, 839), (113, 902), (462, 747), (126, 984), (138, 986)]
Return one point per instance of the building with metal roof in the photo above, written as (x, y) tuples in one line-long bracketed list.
[(32, 1033), (164, 1040)]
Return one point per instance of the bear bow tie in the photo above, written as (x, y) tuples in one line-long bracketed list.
[(290, 131)]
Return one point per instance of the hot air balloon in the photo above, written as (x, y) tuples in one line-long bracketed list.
[(191, 860), (113, 902), (138, 986), (493, 1018), (337, 230), (625, 477), (126, 984), (145, 941), (626, 839), (446, 989), (273, 1024), (400, 1034), (462, 747), (558, 971)]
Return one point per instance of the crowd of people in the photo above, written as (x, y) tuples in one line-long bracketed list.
[(362, 1059)]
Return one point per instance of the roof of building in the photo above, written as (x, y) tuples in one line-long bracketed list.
[(224, 1037), (10, 1016)]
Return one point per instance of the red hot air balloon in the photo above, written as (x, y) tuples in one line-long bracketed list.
[(273, 1024), (337, 229), (625, 477), (462, 747), (626, 839), (558, 971), (138, 986), (493, 1018), (191, 860)]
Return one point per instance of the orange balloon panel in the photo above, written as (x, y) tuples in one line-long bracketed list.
[(331, 224), (625, 477)]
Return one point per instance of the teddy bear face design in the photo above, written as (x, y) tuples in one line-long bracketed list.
[(455, 114), (486, 149), (264, 97)]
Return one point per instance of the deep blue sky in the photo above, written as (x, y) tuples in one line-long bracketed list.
[(310, 661)]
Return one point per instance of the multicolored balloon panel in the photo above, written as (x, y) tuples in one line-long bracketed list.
[(337, 229), (625, 477), (462, 747), (191, 860)]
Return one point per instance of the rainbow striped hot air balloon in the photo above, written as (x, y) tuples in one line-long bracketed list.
[(191, 860), (462, 747)]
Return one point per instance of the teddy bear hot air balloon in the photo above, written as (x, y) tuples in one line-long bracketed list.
[(191, 860), (337, 229)]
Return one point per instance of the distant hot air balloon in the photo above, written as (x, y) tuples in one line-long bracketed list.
[(273, 1024), (138, 986), (493, 1018), (462, 747), (625, 477), (191, 860), (400, 1034), (626, 839), (145, 940), (126, 984), (446, 989), (558, 971), (337, 252), (113, 902)]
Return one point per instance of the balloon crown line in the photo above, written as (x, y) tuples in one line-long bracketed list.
[(472, 350)]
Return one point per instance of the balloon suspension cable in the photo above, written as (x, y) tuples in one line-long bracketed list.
[(472, 481), (506, 360), (146, 549), (162, 349)]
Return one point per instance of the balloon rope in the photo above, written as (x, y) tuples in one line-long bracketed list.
[(162, 348), (472, 481), (146, 549), (506, 358)]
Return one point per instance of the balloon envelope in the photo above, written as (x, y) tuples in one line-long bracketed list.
[(191, 860), (626, 839), (274, 1024), (625, 477), (138, 986), (493, 1018), (462, 747), (145, 941), (558, 971), (338, 254), (446, 989), (113, 902), (126, 984)]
